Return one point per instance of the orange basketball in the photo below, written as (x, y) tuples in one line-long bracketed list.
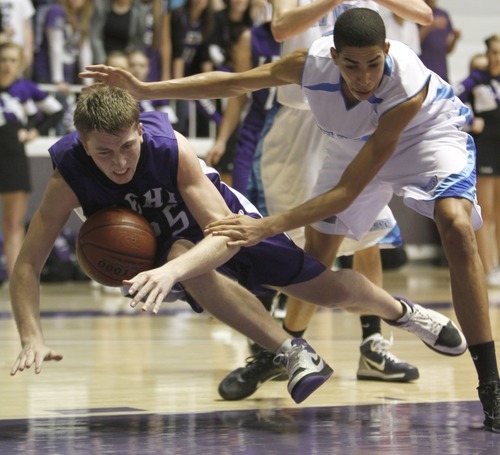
[(115, 244)]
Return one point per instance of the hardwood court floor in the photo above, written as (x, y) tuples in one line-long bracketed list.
[(132, 383)]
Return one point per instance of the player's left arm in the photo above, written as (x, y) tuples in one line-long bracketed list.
[(205, 204), (246, 231), (380, 147), (209, 85), (362, 169), (413, 10)]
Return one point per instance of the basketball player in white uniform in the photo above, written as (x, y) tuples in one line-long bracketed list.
[(288, 161)]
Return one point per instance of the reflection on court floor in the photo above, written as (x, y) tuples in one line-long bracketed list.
[(418, 428)]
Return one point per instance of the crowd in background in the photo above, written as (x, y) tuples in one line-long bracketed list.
[(178, 38), (163, 39)]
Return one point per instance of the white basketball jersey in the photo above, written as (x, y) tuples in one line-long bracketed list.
[(404, 76), (291, 95)]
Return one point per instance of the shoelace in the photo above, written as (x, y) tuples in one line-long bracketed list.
[(256, 364), (288, 357), (381, 346), (426, 324), (280, 359)]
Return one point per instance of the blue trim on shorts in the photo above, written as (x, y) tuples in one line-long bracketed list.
[(393, 239), (461, 185)]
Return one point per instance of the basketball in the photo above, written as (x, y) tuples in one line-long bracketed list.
[(115, 244)]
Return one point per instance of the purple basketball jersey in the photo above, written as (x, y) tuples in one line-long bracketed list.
[(153, 192)]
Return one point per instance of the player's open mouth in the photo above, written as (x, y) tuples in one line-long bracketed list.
[(121, 176)]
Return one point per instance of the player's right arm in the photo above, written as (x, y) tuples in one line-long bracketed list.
[(209, 85), (290, 20), (206, 204), (57, 204)]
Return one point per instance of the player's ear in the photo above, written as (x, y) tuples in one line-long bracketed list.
[(387, 47), (334, 54), (139, 130), (84, 144)]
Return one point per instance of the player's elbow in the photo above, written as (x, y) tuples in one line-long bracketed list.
[(425, 17), (279, 32)]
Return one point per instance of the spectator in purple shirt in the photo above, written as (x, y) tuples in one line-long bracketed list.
[(437, 40)]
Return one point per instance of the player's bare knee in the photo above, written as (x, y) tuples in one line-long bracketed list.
[(343, 295), (458, 238)]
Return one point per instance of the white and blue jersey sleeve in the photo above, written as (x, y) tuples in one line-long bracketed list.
[(404, 77)]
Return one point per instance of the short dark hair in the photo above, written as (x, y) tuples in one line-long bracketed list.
[(359, 27)]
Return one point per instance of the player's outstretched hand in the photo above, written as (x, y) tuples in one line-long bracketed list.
[(34, 354), (115, 77), (243, 229), (150, 287)]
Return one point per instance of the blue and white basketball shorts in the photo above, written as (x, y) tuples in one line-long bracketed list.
[(420, 172)]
